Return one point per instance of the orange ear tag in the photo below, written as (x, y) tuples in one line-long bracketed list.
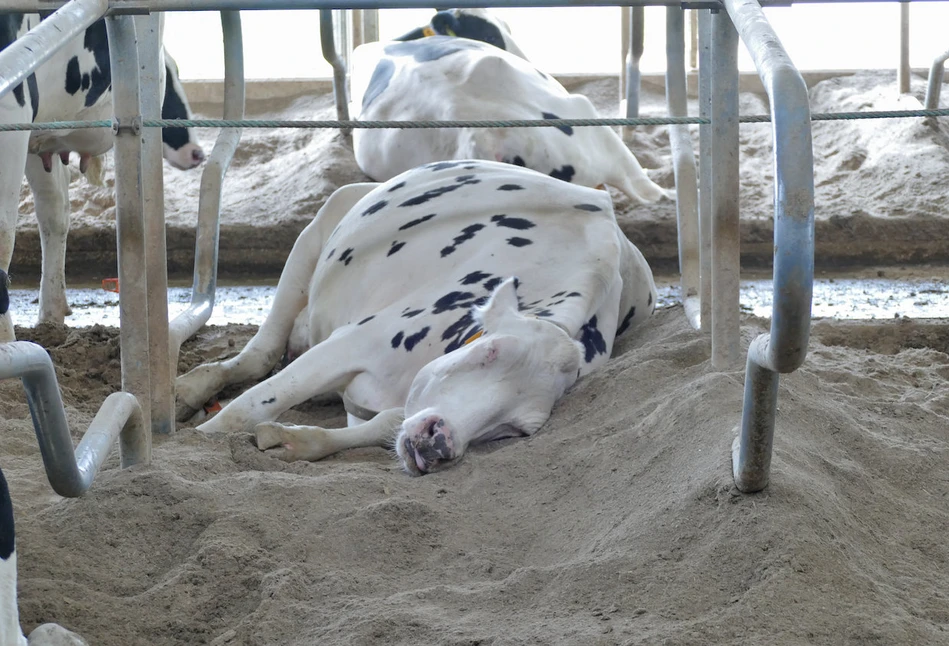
[(476, 335)]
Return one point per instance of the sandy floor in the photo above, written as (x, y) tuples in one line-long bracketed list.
[(617, 524)]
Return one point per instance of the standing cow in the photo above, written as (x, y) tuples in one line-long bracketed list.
[(10, 634), (465, 66), (75, 84), (493, 289)]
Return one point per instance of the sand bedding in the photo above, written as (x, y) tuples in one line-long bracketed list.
[(618, 523)]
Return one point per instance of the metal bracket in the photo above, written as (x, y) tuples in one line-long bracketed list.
[(133, 126)]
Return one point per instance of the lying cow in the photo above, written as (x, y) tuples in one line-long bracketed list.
[(75, 84), (460, 299), (451, 77), (10, 634)]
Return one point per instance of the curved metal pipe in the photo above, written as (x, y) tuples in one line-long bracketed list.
[(683, 158), (25, 54), (784, 349), (209, 204), (934, 85), (71, 472), (339, 68)]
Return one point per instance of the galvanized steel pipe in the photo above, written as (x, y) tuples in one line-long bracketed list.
[(726, 240), (784, 349), (683, 163), (705, 167), (635, 53), (129, 211), (903, 72), (339, 68), (32, 49), (70, 471), (934, 85), (148, 29), (207, 236)]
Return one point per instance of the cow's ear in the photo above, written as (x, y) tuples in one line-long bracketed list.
[(502, 304)]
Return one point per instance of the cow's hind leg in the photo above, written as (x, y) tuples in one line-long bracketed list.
[(264, 350), (12, 160), (326, 367), (289, 443), (51, 199)]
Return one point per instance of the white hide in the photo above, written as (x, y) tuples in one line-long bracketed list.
[(392, 276), (481, 82)]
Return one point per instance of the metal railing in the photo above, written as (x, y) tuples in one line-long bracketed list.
[(715, 246)]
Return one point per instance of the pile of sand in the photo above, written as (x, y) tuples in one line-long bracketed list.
[(618, 523)]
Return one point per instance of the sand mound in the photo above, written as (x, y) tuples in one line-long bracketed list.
[(617, 524)]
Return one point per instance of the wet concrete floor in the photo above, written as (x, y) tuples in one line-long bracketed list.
[(918, 292)]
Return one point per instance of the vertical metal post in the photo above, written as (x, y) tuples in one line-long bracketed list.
[(903, 73), (129, 206), (624, 25), (726, 337), (706, 189), (635, 53), (148, 29), (784, 349), (339, 68), (370, 26), (934, 85), (693, 39), (683, 158)]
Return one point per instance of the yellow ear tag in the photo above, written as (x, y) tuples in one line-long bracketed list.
[(428, 31), (476, 335), (451, 33)]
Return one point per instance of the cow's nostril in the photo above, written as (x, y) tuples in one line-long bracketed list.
[(430, 428), (197, 155)]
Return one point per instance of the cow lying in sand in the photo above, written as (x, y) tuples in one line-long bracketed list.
[(459, 77), (460, 299), (75, 84), (10, 634)]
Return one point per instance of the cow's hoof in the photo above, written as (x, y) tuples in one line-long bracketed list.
[(291, 443), (54, 635)]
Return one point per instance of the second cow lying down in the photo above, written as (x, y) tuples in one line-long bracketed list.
[(459, 300), (459, 78)]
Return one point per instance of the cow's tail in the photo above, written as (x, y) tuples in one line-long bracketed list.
[(633, 180)]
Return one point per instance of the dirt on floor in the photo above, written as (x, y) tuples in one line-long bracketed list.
[(617, 523)]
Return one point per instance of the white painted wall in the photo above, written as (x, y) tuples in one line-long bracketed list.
[(286, 44)]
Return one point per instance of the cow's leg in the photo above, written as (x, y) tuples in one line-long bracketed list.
[(264, 350), (51, 196), (315, 443), (326, 367), (12, 160)]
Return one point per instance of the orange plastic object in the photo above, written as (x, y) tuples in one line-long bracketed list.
[(110, 285), (213, 407)]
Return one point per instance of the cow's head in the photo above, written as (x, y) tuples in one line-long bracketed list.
[(476, 24), (179, 145), (502, 384)]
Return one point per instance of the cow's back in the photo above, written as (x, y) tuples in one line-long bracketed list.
[(444, 78), (438, 238)]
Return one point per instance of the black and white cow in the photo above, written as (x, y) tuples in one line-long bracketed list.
[(476, 72), (460, 299), (10, 633), (75, 84)]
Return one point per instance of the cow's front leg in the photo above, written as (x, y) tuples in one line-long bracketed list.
[(51, 199), (326, 367), (289, 443)]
